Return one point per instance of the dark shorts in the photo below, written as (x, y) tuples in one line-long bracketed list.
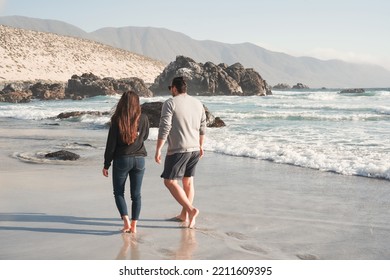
[(180, 165)]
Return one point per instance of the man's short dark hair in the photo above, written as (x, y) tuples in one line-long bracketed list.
[(180, 84)]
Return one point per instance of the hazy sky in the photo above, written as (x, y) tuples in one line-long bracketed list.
[(351, 30)]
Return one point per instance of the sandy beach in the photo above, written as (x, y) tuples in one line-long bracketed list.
[(250, 209)]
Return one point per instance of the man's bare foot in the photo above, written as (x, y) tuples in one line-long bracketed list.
[(181, 218), (192, 216)]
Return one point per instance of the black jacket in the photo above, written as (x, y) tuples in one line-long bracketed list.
[(115, 146)]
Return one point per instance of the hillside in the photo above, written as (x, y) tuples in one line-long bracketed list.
[(33, 55)]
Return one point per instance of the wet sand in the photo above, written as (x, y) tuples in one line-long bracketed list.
[(249, 209)]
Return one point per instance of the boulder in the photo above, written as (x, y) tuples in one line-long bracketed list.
[(281, 86), (153, 111), (135, 84), (300, 86), (15, 97), (89, 85), (211, 79), (48, 91), (62, 155), (249, 80)]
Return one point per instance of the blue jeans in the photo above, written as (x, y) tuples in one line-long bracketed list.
[(134, 167)]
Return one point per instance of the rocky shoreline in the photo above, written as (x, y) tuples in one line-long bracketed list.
[(203, 79)]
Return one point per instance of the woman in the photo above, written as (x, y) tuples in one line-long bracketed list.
[(125, 147)]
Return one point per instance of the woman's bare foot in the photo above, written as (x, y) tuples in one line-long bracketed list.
[(192, 216), (126, 224), (133, 228)]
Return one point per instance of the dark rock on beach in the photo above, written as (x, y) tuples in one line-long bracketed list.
[(62, 155), (211, 79), (216, 122), (153, 112)]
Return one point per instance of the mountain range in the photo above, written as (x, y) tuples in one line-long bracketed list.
[(164, 45)]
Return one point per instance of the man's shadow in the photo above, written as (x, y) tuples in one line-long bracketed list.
[(42, 218)]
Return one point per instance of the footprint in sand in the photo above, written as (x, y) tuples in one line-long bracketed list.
[(247, 247), (210, 232), (166, 252), (237, 235), (307, 257), (254, 249)]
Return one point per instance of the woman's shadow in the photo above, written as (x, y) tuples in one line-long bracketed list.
[(42, 219)]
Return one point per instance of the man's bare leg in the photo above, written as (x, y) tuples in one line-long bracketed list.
[(192, 216), (188, 187), (179, 194)]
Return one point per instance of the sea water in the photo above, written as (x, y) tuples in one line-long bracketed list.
[(325, 130)]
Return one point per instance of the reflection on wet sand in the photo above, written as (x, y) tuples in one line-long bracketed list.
[(130, 248), (187, 245)]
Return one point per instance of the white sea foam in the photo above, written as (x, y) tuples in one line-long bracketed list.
[(326, 131), (339, 158)]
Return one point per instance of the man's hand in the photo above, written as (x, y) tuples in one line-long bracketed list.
[(105, 172), (157, 156), (159, 145)]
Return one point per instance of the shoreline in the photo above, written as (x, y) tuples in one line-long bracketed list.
[(249, 209)]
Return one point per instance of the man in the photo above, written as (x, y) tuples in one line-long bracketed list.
[(183, 124)]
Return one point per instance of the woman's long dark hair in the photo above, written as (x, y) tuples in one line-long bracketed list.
[(127, 114)]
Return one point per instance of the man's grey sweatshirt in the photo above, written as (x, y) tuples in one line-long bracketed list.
[(183, 119)]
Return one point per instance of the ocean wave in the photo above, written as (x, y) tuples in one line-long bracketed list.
[(358, 94), (304, 116), (383, 110), (342, 158)]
